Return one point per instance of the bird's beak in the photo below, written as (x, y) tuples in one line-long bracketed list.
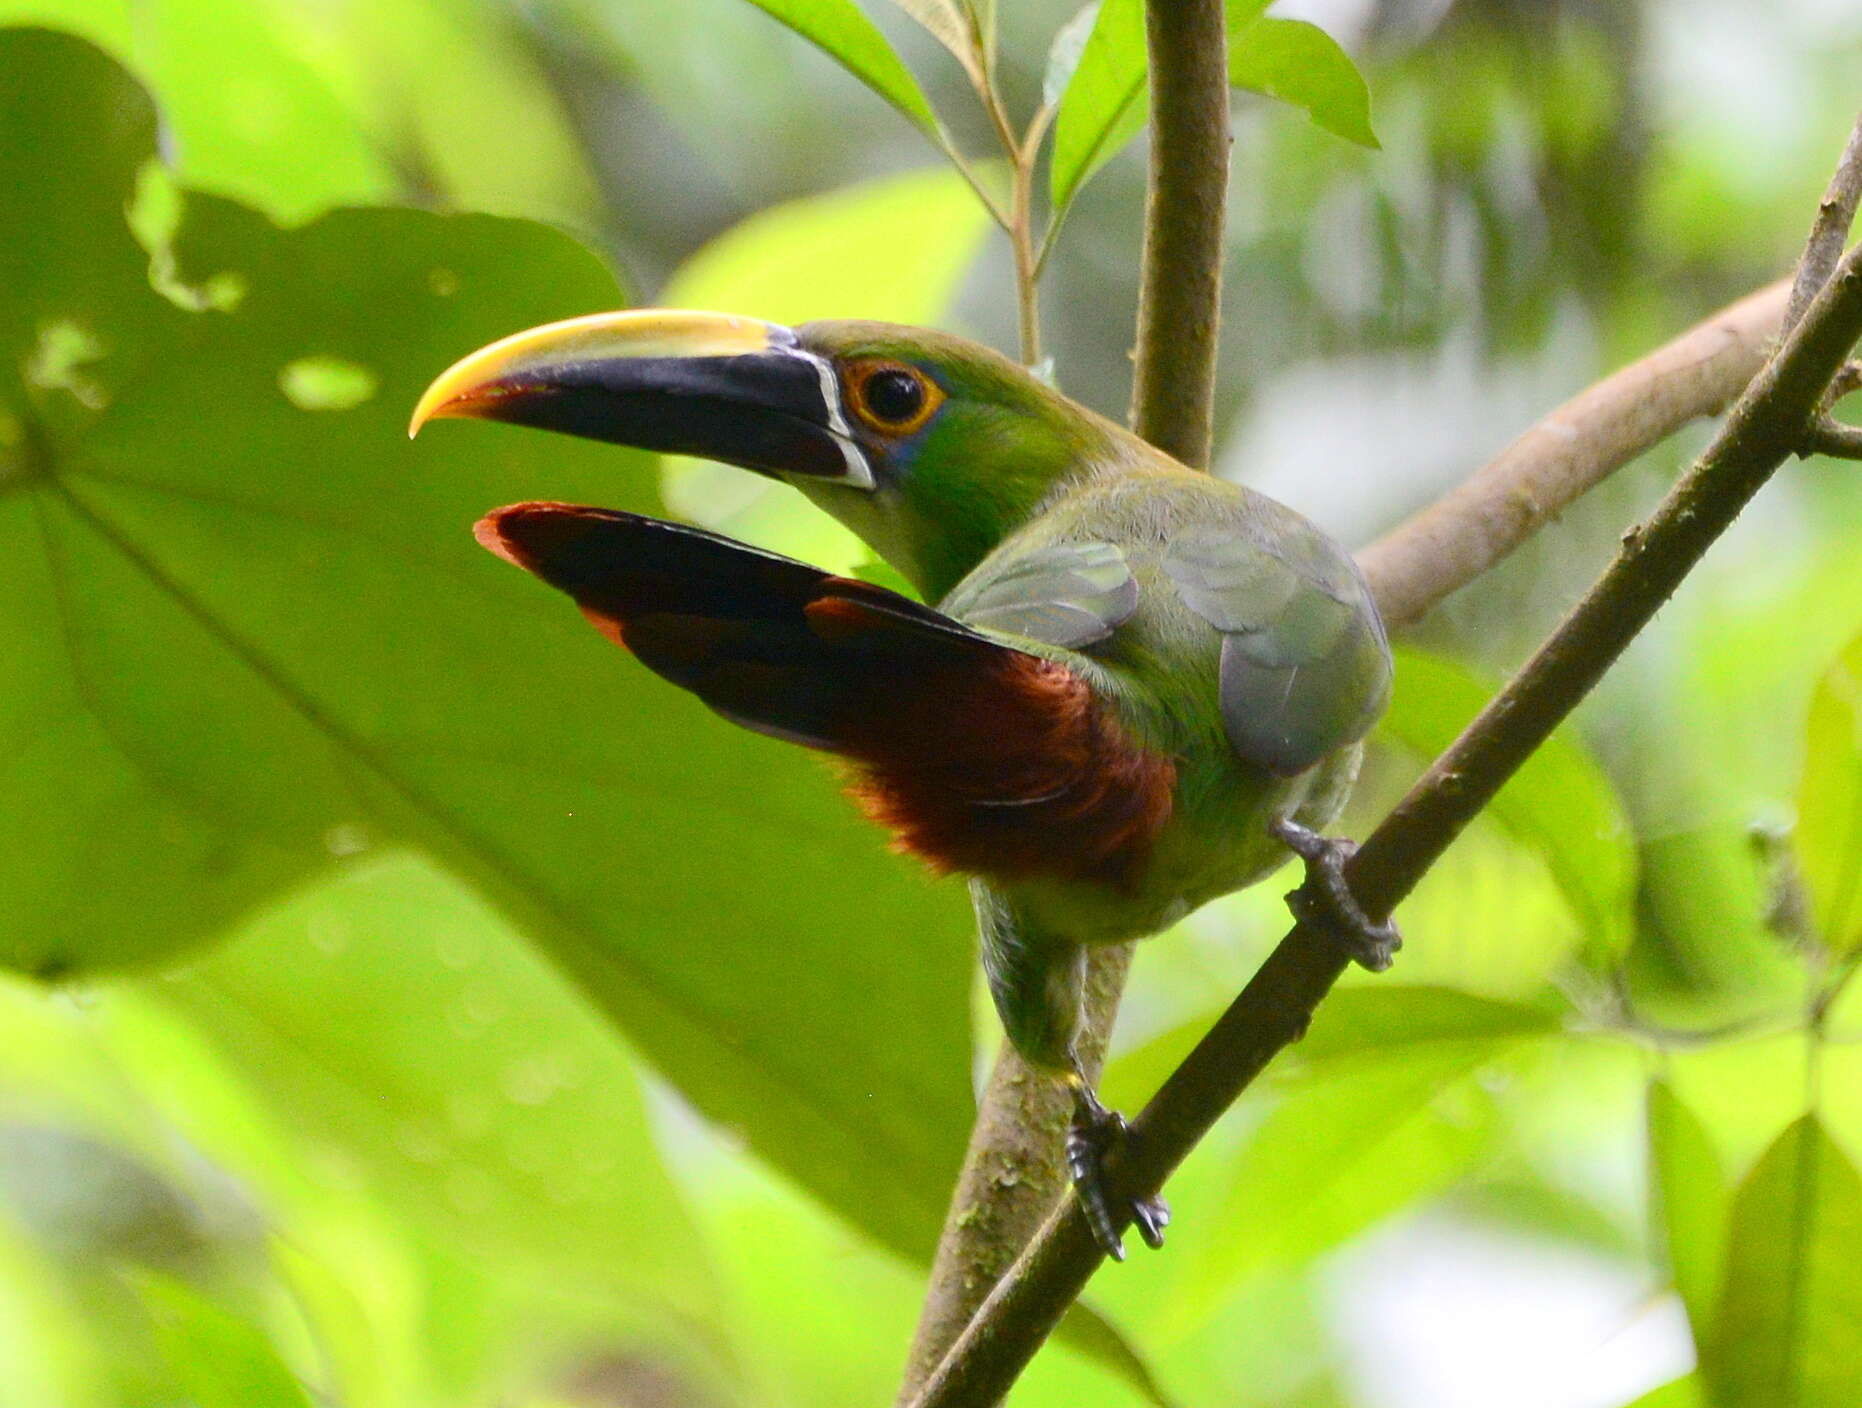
[(724, 388)]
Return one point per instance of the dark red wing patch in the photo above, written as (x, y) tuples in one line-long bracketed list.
[(1013, 768), (979, 757)]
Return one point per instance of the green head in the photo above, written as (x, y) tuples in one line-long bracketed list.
[(930, 447)]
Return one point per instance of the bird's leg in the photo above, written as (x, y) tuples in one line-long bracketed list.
[(1326, 902), (1095, 1132)]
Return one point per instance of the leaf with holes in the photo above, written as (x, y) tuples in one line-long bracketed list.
[(246, 637)]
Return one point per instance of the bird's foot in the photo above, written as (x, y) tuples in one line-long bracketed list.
[(1325, 900), (1095, 1132)]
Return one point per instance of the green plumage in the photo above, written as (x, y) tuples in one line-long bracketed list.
[(1222, 656)]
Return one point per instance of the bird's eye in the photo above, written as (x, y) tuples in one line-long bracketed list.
[(892, 398)]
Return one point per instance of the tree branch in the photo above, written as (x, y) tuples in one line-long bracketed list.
[(1767, 425), (1180, 297), (1829, 231), (1567, 453), (1012, 1172)]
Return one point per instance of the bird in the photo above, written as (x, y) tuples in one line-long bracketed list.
[(1128, 687)]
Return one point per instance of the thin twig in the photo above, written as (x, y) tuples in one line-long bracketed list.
[(1830, 230), (1833, 438), (1765, 427)]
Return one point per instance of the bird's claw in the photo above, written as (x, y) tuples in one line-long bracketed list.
[(1325, 901), (1095, 1132)]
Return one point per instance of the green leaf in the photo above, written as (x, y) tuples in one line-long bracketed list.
[(218, 1359), (479, 1093), (1789, 1329), (1343, 1150), (839, 28), (1102, 104), (1351, 1022), (247, 111), (1829, 803), (1677, 1393), (1301, 64), (251, 638), (1689, 1198), (1560, 804), (813, 258), (1063, 54), (1100, 108)]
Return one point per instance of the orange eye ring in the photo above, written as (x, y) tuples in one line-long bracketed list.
[(891, 397)]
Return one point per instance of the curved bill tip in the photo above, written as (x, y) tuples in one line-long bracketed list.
[(473, 386), (726, 388)]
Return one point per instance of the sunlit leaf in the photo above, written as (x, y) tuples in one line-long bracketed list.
[(248, 113), (1829, 803), (841, 29), (1063, 54), (48, 1357), (1687, 1392), (479, 1092), (1560, 803), (1342, 1150), (1351, 1022), (1689, 1199), (218, 1359), (250, 639), (1301, 64), (1100, 107), (1788, 1333)]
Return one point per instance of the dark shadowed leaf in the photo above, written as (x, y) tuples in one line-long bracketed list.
[(1788, 1333), (252, 637)]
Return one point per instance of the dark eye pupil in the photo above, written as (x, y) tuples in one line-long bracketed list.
[(894, 396)]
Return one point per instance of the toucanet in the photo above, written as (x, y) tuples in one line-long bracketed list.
[(1138, 685)]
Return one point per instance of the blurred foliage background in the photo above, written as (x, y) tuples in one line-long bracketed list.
[(413, 1004)]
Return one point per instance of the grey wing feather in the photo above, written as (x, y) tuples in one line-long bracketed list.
[(1067, 594), (1305, 668)]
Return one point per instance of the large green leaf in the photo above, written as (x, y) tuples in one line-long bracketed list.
[(1789, 1329), (840, 28), (252, 634), (1829, 803), (247, 111), (1560, 804), (479, 1094)]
